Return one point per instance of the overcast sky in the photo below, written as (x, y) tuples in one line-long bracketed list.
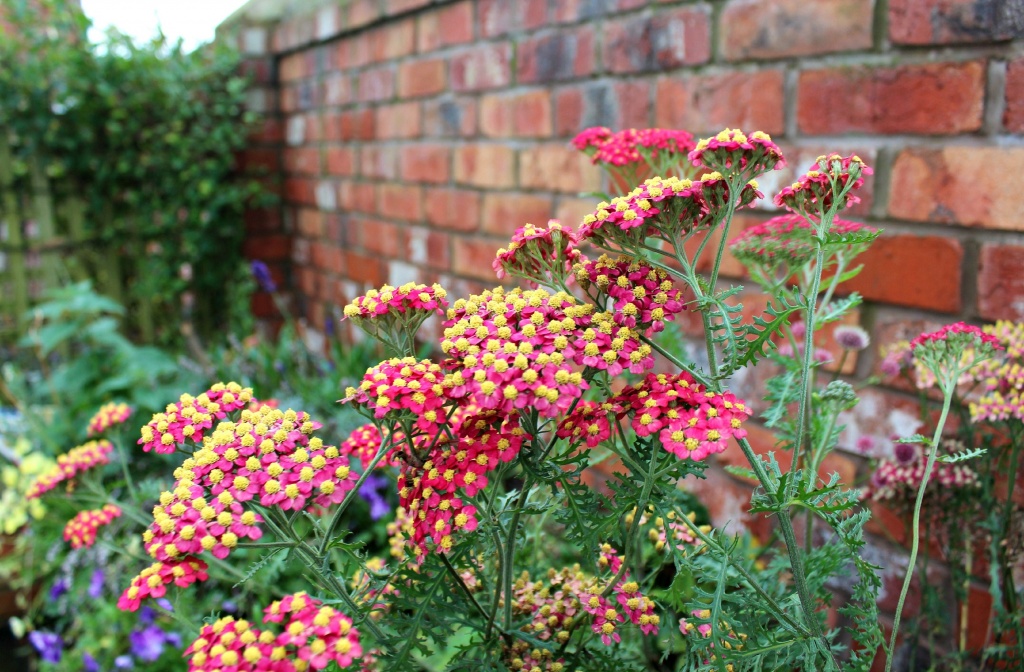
[(192, 20)]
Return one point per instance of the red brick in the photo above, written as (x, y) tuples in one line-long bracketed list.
[(301, 161), (425, 163), (523, 115), (262, 220), (445, 26), (258, 160), (364, 268), (556, 57), (267, 248), (754, 29), (569, 111), (1001, 283), (971, 186), (377, 84), (472, 257), (357, 196), (401, 120), (709, 103), (310, 222), (929, 99), (763, 441), (951, 21), (336, 90), (570, 11), (1013, 116), (917, 271), (449, 117), (421, 78), (503, 213), (486, 66), (379, 237), (557, 167), (499, 17), (571, 211), (497, 116), (485, 165), (392, 40), (728, 503), (300, 190), (427, 247), (293, 67), (358, 125), (270, 131), (401, 6), (400, 201), (457, 209), (340, 161), (666, 40), (379, 161)]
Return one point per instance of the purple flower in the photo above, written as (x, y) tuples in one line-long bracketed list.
[(123, 662), (147, 644), (850, 337), (905, 453), (379, 506), (174, 639), (263, 277), (147, 615), (96, 584), (165, 604), (60, 586), (229, 606), (89, 663), (48, 644)]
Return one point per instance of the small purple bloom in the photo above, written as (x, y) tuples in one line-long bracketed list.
[(147, 615), (329, 326), (48, 644), (229, 606), (905, 453), (379, 506), (89, 663), (60, 586), (263, 277), (174, 639), (850, 337), (124, 662), (147, 644), (165, 604), (96, 584)]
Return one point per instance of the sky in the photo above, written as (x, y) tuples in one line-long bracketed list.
[(193, 21)]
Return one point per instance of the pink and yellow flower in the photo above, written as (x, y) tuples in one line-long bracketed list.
[(81, 530), (190, 417), (70, 465), (108, 416)]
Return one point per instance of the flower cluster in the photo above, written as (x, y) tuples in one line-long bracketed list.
[(786, 242), (642, 296), (109, 415), (364, 442), (631, 146), (153, 581), (81, 530), (733, 152), (70, 464), (1002, 377), (404, 388), (832, 183), (394, 314), (542, 255), (952, 352), (187, 419), (691, 421), (590, 423), (662, 532), (897, 480), (313, 636), (668, 204)]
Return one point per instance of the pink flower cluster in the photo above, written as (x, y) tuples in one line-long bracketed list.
[(589, 423), (313, 637), (410, 297), (631, 145), (731, 151), (1002, 377), (70, 464), (187, 419), (785, 240), (81, 530), (669, 204), (153, 581), (813, 192), (538, 254), (642, 297), (407, 388), (951, 330), (364, 442), (897, 480), (109, 415), (661, 532), (691, 421)]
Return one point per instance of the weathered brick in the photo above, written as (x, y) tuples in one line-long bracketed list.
[(400, 201), (379, 162), (425, 163), (486, 66), (428, 247), (457, 209), (258, 160), (665, 40), (571, 211), (336, 90), (401, 120), (709, 103), (393, 39), (485, 165), (930, 99), (569, 11), (357, 196), (499, 17), (523, 114), (568, 111), (556, 57), (1013, 115), (971, 186), (953, 21), (445, 26), (358, 125), (267, 248), (754, 29), (1001, 282), (917, 271), (401, 6), (504, 212), (421, 78), (449, 117), (377, 84), (472, 257), (365, 268), (557, 167), (340, 160), (300, 190), (379, 237)]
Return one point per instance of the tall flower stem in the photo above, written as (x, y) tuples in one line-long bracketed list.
[(916, 524), (510, 550), (332, 527)]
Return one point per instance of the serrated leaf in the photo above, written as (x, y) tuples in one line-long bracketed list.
[(836, 309), (762, 331), (915, 438), (860, 237), (962, 456)]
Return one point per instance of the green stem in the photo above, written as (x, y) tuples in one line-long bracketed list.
[(510, 550), (1009, 590), (332, 527), (730, 211), (123, 457), (916, 524), (462, 584)]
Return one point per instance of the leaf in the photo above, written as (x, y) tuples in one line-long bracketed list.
[(762, 331), (742, 472), (836, 309), (860, 237), (962, 456), (915, 438)]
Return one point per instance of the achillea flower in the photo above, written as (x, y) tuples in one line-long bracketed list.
[(404, 388), (542, 255), (669, 204), (187, 419), (896, 481), (1002, 377), (631, 146), (70, 464), (951, 352), (81, 530), (785, 243), (394, 314), (691, 421), (638, 608), (643, 297), (895, 358), (109, 415), (590, 423), (661, 532), (153, 581), (733, 152), (813, 193), (591, 138), (364, 442)]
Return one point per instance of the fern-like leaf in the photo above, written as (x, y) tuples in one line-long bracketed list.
[(836, 309), (758, 335)]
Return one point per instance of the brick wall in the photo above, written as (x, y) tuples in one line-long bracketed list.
[(409, 138)]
